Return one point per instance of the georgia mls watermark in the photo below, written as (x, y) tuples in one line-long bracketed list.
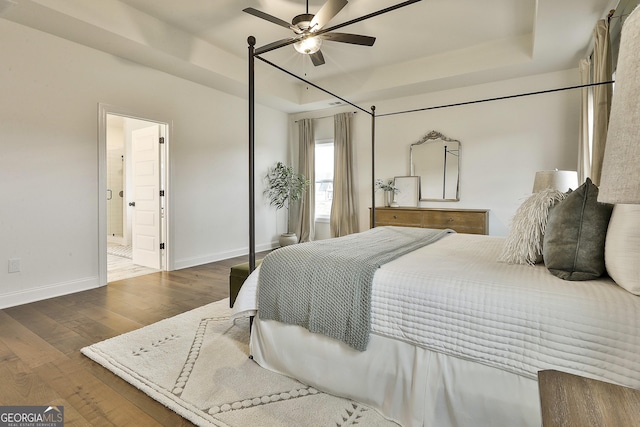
[(31, 416)]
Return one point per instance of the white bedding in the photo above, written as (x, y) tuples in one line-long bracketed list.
[(411, 385), (454, 298)]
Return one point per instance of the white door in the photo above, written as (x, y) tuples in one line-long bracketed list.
[(146, 224)]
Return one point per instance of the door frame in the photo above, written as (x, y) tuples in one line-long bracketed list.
[(103, 111)]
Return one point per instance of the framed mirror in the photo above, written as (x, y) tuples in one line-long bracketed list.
[(435, 158)]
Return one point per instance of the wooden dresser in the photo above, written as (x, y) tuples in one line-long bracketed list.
[(472, 221)]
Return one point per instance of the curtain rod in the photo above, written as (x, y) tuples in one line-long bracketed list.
[(323, 117), (497, 98)]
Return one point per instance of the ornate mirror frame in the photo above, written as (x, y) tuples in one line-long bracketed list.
[(435, 158)]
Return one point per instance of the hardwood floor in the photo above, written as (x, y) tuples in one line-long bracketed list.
[(40, 359)]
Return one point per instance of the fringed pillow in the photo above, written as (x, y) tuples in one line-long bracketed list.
[(523, 244)]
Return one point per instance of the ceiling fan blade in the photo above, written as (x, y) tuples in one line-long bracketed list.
[(370, 15), (349, 38), (317, 58), (275, 45), (266, 16), (326, 13)]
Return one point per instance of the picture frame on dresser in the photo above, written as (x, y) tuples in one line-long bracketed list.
[(408, 194)]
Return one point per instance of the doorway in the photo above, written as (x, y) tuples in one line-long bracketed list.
[(134, 210)]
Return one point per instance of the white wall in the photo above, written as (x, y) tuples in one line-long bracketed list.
[(50, 89), (503, 142)]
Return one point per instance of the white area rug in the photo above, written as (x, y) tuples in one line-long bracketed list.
[(197, 364)]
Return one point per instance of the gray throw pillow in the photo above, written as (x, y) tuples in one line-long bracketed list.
[(573, 247)]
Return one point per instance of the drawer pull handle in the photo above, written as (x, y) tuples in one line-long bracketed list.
[(395, 217), (450, 219)]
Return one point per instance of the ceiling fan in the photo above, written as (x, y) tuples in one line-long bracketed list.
[(310, 32)]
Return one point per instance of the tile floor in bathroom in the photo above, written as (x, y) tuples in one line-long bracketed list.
[(120, 266)]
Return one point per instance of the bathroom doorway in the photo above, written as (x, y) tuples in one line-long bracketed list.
[(134, 159)]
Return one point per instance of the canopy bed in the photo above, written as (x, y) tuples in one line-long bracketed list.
[(432, 329)]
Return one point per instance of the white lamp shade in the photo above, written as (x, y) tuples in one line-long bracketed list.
[(558, 180), (620, 179)]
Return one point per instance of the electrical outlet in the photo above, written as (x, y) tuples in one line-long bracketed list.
[(14, 265)]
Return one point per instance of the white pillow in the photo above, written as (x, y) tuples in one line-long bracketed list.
[(622, 247), (523, 244)]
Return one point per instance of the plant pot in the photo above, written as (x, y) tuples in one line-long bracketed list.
[(287, 239)]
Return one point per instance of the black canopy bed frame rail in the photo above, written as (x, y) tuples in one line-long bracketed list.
[(255, 54)]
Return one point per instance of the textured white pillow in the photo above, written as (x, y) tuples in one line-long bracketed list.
[(523, 244), (622, 247)]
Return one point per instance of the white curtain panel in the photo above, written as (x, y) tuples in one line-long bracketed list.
[(602, 72), (584, 147), (344, 211), (305, 224)]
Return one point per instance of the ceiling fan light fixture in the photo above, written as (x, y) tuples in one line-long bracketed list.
[(308, 45), (306, 27)]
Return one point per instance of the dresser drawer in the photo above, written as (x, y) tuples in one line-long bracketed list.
[(460, 221), (400, 218), (471, 221)]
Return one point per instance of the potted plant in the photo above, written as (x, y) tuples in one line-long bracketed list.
[(283, 187)]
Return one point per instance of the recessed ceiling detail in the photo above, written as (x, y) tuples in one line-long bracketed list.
[(428, 46)]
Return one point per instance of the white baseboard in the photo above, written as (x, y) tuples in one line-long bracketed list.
[(220, 256), (48, 291)]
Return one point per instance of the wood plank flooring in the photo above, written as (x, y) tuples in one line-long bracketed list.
[(40, 359)]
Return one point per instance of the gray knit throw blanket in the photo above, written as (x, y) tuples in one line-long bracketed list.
[(325, 286)]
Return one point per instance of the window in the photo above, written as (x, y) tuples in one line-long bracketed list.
[(323, 186)]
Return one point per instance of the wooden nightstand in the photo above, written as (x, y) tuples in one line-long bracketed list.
[(570, 400)]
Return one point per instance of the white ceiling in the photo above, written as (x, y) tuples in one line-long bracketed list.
[(427, 46)]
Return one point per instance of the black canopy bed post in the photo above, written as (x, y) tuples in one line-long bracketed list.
[(255, 53), (252, 188), (373, 166), (298, 348)]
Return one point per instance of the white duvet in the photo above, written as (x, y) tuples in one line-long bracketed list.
[(455, 298)]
